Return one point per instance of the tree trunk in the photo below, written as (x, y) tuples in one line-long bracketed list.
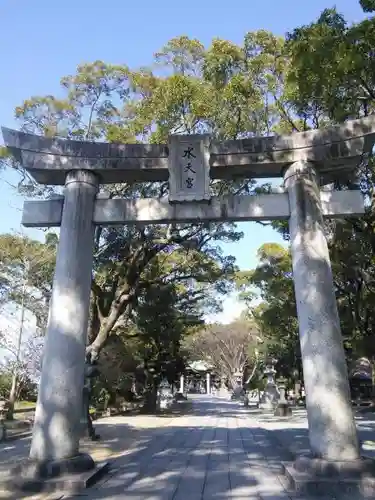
[(106, 326), (94, 323), (250, 377), (12, 397), (151, 397)]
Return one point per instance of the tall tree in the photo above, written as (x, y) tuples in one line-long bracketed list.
[(166, 312), (231, 349)]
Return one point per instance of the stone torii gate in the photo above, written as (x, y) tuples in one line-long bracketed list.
[(305, 160)]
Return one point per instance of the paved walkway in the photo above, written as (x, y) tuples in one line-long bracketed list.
[(218, 451)]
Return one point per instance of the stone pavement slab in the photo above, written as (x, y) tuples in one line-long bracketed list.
[(219, 450)]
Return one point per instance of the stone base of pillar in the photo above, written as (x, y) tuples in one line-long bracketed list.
[(67, 475), (315, 476)]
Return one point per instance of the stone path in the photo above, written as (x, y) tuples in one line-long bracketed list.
[(219, 450)]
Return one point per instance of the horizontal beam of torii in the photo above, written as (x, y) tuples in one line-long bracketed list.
[(48, 160), (108, 212)]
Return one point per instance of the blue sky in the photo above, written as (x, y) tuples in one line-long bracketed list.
[(42, 41)]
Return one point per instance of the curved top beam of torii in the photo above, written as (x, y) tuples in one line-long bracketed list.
[(49, 159)]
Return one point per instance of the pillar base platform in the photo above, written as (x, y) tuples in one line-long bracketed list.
[(316, 476), (67, 475)]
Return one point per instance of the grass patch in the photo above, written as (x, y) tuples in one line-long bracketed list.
[(24, 405)]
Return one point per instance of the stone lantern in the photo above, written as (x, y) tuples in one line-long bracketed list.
[(165, 397), (283, 409), (271, 395)]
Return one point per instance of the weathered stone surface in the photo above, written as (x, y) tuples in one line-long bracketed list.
[(238, 208), (326, 468), (304, 483), (358, 129), (322, 477), (35, 469), (325, 147), (58, 413), (71, 478), (49, 160), (332, 430)]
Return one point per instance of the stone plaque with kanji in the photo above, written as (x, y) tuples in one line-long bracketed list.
[(189, 165)]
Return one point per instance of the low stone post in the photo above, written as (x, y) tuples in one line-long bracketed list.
[(57, 426), (182, 384), (332, 429)]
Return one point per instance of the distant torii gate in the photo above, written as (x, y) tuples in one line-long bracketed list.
[(305, 160)]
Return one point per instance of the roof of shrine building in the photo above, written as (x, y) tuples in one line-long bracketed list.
[(200, 366), (332, 149)]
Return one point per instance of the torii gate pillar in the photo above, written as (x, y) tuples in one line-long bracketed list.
[(332, 428), (57, 426)]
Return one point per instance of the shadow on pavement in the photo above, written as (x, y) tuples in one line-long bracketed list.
[(210, 453)]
